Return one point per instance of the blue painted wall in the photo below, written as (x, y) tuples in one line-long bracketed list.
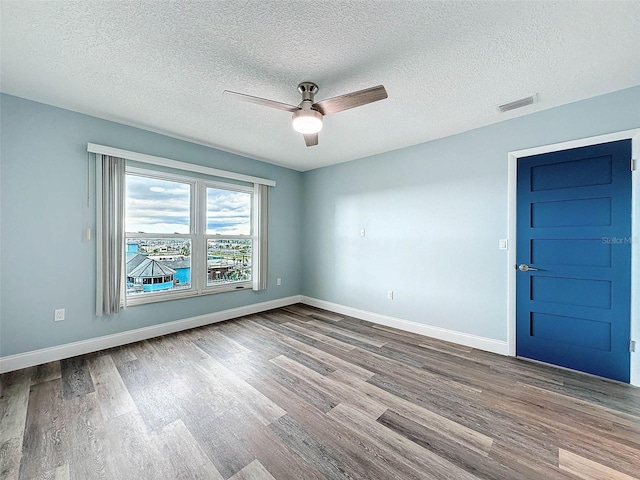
[(45, 260), (183, 275), (157, 287), (433, 214)]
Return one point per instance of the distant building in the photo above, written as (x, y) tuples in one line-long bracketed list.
[(180, 263), (145, 274)]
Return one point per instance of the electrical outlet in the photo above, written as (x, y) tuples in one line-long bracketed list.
[(390, 294), (58, 315), (279, 281)]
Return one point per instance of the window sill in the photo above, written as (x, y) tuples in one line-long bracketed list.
[(163, 297)]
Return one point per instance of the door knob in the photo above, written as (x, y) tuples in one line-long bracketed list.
[(523, 267)]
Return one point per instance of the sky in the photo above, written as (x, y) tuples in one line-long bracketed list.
[(160, 206)]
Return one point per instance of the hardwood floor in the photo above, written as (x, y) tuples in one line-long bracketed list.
[(301, 393)]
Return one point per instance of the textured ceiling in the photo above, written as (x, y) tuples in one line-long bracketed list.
[(446, 65)]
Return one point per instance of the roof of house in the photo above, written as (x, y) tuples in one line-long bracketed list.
[(151, 268), (178, 263), (134, 261)]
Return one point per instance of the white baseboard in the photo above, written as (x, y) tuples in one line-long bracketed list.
[(37, 357), (468, 340)]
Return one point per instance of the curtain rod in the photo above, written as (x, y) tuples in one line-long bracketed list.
[(167, 162)]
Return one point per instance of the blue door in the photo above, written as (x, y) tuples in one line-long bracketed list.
[(574, 258)]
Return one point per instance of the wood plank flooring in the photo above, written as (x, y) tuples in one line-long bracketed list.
[(301, 393)]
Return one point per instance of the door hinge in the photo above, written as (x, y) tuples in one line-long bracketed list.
[(634, 164), (632, 346)]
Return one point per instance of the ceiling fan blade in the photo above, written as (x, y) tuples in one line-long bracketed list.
[(311, 139), (261, 101), (351, 100)]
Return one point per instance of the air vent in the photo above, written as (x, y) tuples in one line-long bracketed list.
[(523, 102)]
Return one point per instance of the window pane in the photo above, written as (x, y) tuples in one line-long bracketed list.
[(228, 260), (157, 265), (228, 212), (157, 206)]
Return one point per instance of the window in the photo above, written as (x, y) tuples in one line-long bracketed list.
[(228, 236), (185, 236)]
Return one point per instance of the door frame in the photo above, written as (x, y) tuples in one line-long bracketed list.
[(512, 159)]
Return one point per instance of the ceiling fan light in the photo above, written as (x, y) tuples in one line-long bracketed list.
[(307, 121)]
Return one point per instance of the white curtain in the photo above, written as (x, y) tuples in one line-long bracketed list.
[(110, 197), (260, 248)]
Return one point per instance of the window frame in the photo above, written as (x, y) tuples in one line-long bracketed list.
[(206, 236), (197, 234)]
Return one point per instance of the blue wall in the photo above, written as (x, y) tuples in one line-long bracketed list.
[(183, 275), (45, 260), (433, 214)]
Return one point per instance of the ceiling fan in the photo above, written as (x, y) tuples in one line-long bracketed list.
[(307, 116)]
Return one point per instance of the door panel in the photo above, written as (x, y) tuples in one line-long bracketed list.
[(578, 292), (574, 227), (593, 171), (571, 213), (563, 329), (577, 252)]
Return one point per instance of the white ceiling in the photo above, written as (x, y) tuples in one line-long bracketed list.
[(446, 65)]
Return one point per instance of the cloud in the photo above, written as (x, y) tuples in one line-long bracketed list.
[(228, 212), (163, 206), (157, 206)]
